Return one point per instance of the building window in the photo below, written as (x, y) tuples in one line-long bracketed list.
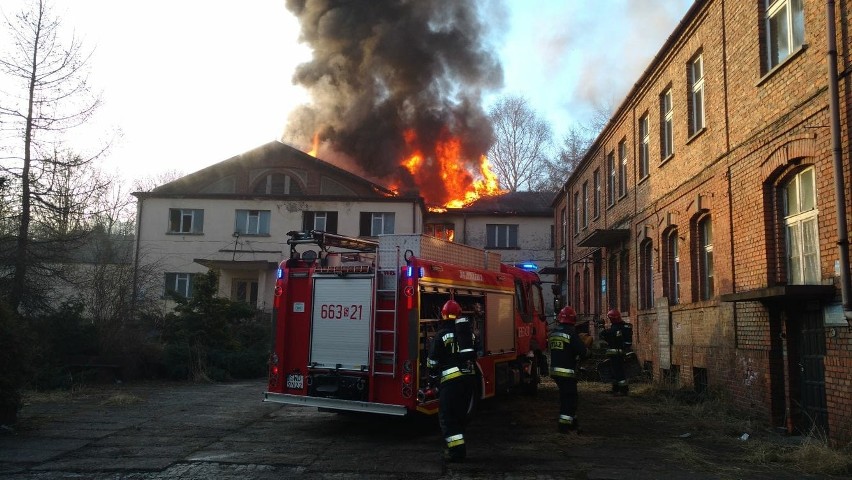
[(610, 187), (801, 228), (244, 291), (705, 259), (501, 236), (373, 224), (277, 184), (644, 144), (671, 267), (252, 222), (444, 231), (178, 283), (785, 29), (587, 291), (612, 281), (646, 275), (622, 171), (321, 221), (186, 220), (666, 125), (585, 204), (563, 221), (576, 213), (696, 99), (596, 203)]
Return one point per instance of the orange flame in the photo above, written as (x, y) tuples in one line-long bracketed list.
[(456, 181), (315, 149)]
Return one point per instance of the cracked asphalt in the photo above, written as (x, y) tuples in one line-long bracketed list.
[(203, 431)]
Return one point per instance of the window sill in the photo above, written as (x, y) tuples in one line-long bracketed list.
[(197, 234), (781, 65), (502, 248), (695, 135), (667, 159), (644, 179), (255, 235)]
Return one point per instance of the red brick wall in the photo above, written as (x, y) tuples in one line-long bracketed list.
[(760, 128)]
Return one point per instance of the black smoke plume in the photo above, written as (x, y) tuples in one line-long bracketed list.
[(384, 67)]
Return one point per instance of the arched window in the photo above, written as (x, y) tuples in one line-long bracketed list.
[(671, 266), (277, 184), (587, 287), (704, 259), (801, 230)]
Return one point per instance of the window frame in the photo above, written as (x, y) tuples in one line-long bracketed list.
[(576, 212), (243, 222), (696, 96), (671, 267), (196, 221), (610, 190), (596, 202), (793, 37), (704, 260), (309, 220), (585, 204), (806, 214), (644, 146), (182, 283), (622, 168), (510, 236), (666, 124)]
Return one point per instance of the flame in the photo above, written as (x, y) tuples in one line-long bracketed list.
[(457, 183), (315, 146)]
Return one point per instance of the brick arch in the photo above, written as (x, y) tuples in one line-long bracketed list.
[(798, 147)]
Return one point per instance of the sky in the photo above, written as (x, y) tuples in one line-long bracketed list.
[(190, 83)]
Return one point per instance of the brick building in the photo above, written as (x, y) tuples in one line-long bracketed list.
[(706, 211)]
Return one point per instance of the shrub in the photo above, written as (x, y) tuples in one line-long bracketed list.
[(15, 342)]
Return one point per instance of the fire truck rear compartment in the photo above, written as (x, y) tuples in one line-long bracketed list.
[(334, 385)]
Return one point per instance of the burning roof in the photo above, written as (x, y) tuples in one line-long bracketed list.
[(396, 88)]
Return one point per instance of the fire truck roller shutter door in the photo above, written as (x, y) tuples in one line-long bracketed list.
[(499, 323), (340, 322)]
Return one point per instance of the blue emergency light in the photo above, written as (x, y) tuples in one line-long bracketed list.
[(531, 267)]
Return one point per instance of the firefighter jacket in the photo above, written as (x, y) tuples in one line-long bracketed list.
[(451, 353), (566, 350), (619, 338)]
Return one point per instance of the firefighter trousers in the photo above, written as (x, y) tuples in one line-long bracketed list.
[(568, 398), (619, 376), (453, 400)]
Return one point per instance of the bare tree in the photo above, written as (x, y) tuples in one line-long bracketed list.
[(574, 148), (523, 140), (146, 184), (50, 96)]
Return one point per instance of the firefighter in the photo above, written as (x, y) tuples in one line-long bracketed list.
[(619, 339), (451, 371), (566, 351)]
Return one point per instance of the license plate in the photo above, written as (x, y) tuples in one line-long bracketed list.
[(295, 380)]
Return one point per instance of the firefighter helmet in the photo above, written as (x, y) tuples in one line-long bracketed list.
[(451, 310), (567, 315), (614, 315)]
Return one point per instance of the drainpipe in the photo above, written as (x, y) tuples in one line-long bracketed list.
[(839, 189)]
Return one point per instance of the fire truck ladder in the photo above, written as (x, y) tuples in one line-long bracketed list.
[(386, 327)]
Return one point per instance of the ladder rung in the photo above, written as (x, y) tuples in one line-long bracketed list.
[(385, 311), (383, 352)]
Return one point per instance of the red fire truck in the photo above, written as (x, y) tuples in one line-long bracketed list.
[(354, 319)]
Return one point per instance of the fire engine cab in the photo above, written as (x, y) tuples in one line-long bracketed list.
[(354, 320)]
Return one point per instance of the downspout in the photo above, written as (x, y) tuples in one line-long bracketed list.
[(839, 190)]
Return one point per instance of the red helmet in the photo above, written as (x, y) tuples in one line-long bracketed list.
[(567, 315), (451, 310), (614, 315)]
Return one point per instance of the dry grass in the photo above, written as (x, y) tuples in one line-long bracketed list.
[(713, 415)]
